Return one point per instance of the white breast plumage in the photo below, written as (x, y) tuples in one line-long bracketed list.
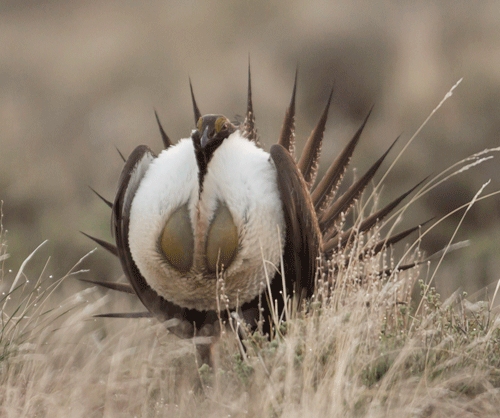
[(240, 176)]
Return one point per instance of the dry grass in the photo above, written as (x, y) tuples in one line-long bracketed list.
[(360, 350)]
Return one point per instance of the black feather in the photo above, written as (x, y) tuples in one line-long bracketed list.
[(287, 135), (332, 214), (167, 143), (309, 160), (324, 192), (121, 155), (120, 287), (104, 244), (125, 315), (102, 198), (249, 130), (197, 113), (366, 224)]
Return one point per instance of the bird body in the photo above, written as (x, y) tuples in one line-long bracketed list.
[(241, 177), (215, 226)]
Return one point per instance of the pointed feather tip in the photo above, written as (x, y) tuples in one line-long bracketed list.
[(294, 91), (104, 244), (309, 160), (329, 102), (196, 110), (393, 143), (324, 115), (287, 134), (166, 140), (365, 120), (121, 155), (120, 287), (249, 72), (394, 239), (325, 190), (420, 183), (379, 162), (345, 202), (249, 97), (382, 213), (405, 194), (248, 126), (126, 315), (108, 203), (436, 255)]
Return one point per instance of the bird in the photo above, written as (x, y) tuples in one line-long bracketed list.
[(216, 229)]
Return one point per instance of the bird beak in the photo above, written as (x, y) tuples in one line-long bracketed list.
[(204, 138)]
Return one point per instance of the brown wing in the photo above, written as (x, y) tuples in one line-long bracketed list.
[(130, 179), (303, 237)]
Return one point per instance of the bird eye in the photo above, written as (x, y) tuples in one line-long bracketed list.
[(177, 241), (198, 125), (220, 124)]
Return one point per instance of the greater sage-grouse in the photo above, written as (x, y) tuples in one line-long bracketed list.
[(205, 229)]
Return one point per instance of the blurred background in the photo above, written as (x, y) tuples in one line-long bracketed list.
[(78, 79)]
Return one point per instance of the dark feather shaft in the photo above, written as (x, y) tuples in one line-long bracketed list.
[(166, 140), (386, 273), (333, 244), (197, 113), (125, 315), (332, 214), (120, 287), (110, 204), (287, 135), (371, 220), (384, 244), (437, 254), (121, 155), (325, 190), (390, 271), (104, 244), (249, 130), (391, 240), (309, 160)]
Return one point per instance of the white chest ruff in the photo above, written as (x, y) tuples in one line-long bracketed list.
[(240, 176)]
